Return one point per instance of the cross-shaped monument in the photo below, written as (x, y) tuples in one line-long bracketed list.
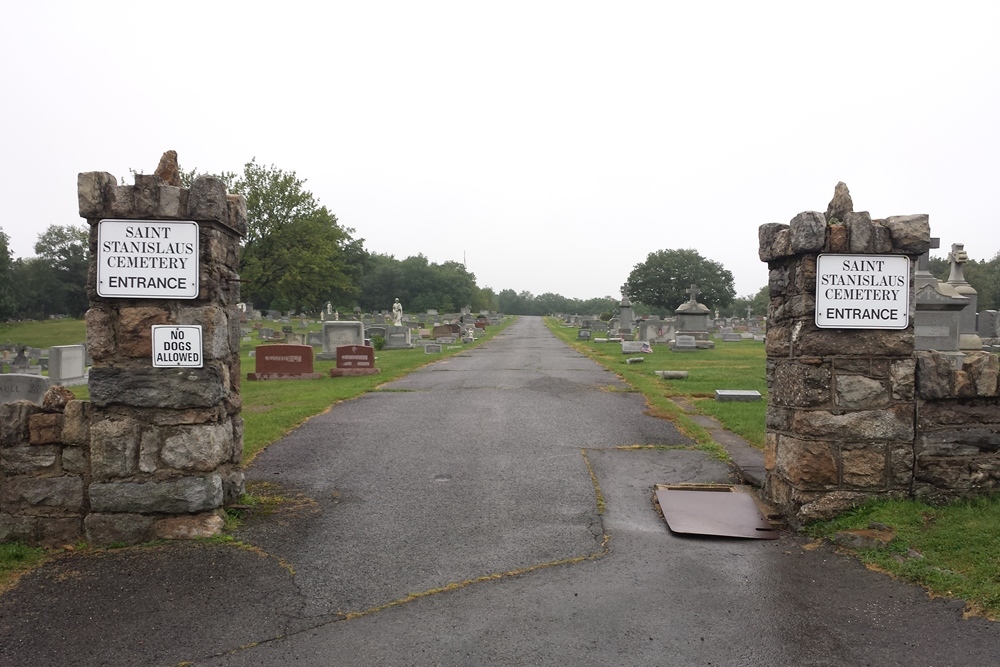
[(694, 292)]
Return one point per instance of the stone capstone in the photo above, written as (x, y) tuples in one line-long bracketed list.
[(56, 397), (911, 234), (860, 231), (840, 205), (207, 200), (808, 230), (774, 241), (184, 495), (168, 170)]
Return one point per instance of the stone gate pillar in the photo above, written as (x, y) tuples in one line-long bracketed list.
[(841, 413), (166, 436)]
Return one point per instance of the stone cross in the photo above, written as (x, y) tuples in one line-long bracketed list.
[(924, 262), (957, 257), (694, 292), (624, 291)]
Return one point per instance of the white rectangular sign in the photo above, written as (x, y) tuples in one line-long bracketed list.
[(863, 291), (147, 259), (177, 345)]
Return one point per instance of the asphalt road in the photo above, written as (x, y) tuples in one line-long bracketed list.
[(452, 519)]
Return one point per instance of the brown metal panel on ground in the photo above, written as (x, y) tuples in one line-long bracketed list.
[(713, 512)]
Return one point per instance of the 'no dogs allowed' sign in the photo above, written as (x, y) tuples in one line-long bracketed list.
[(177, 346)]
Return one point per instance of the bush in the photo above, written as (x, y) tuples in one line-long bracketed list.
[(378, 342)]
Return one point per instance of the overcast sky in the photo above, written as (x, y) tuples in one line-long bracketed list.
[(552, 145)]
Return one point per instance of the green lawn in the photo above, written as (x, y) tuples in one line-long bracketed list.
[(45, 333)]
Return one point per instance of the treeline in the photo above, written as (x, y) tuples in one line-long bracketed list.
[(52, 282)]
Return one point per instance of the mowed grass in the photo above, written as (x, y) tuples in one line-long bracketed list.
[(951, 550), (729, 366), (44, 333)]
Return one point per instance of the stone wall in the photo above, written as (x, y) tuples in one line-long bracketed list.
[(857, 413), (156, 452), (44, 461), (957, 445)]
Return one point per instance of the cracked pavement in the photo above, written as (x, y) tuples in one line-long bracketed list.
[(452, 519)]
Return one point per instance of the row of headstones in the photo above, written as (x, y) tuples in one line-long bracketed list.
[(66, 364)]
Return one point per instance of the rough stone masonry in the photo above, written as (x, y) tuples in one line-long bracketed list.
[(156, 452), (858, 413)]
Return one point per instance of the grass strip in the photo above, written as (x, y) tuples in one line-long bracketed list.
[(952, 550)]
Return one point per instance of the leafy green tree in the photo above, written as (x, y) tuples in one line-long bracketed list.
[(296, 256), (6, 279), (758, 304), (663, 279), (65, 250)]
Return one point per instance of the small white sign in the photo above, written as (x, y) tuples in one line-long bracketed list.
[(863, 291), (177, 346), (147, 259)]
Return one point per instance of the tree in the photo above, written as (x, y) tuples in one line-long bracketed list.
[(6, 278), (757, 303), (664, 278), (65, 250), (296, 256)]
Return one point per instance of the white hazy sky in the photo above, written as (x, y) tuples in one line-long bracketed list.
[(553, 145)]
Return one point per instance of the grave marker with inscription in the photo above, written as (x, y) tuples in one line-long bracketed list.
[(354, 360), (284, 362)]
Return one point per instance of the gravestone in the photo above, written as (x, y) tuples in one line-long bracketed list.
[(340, 333), (938, 308), (692, 317), (968, 339), (732, 337), (442, 330), (684, 343), (284, 362), (737, 395), (656, 331), (314, 338), (22, 387), (373, 331), (583, 334), (633, 346), (432, 348), (397, 338), (354, 360), (67, 364)]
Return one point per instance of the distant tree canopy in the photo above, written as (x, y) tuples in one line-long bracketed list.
[(664, 278), (54, 282), (525, 303), (421, 285), (296, 255)]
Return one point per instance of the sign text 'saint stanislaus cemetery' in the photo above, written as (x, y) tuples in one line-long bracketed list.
[(147, 259), (863, 291)]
